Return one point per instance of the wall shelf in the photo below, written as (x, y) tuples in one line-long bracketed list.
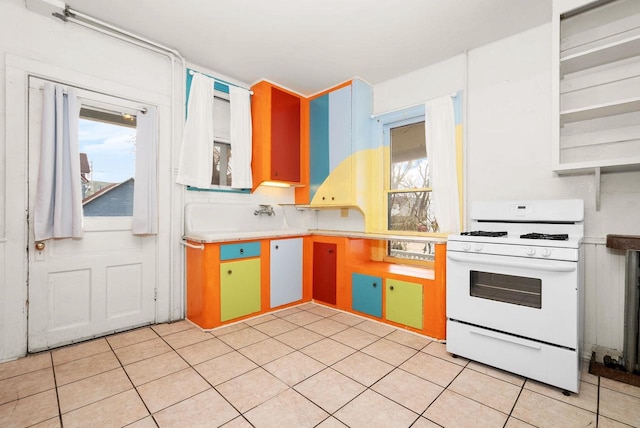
[(601, 55), (596, 66), (601, 110)]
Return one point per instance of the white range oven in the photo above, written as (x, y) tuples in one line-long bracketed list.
[(514, 289)]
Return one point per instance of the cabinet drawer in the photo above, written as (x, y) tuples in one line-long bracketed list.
[(546, 363), (239, 251)]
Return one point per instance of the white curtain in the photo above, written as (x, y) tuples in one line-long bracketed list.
[(145, 187), (58, 204), (240, 135), (196, 155), (440, 132)]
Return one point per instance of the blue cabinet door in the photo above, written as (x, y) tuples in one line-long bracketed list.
[(318, 143), (366, 294)]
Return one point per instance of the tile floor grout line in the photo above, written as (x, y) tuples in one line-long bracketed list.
[(132, 384), (561, 401), (515, 402), (598, 404), (209, 383), (55, 385)]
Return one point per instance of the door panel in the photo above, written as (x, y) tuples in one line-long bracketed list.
[(239, 288), (83, 288), (285, 271), (404, 302), (324, 272), (366, 294), (285, 136)]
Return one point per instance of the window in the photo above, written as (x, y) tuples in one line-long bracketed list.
[(222, 176), (107, 143), (222, 140), (408, 191)]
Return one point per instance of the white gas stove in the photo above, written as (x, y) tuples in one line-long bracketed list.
[(514, 289)]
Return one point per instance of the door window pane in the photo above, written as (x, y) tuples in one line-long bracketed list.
[(107, 162)]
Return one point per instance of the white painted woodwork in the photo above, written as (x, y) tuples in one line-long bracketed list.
[(596, 59), (285, 272), (83, 288)]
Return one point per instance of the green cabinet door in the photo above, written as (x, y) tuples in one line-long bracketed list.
[(404, 302), (239, 288)]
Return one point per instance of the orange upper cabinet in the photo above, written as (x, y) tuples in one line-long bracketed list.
[(278, 135)]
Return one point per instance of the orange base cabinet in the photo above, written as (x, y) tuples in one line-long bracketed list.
[(203, 288)]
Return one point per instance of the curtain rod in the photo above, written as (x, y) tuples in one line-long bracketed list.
[(192, 72), (377, 115)]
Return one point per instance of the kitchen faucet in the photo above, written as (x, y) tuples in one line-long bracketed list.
[(265, 209)]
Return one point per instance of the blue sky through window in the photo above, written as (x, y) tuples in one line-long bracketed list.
[(110, 149)]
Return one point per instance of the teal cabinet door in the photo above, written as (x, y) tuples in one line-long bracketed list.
[(366, 294), (239, 288), (404, 302), (318, 142)]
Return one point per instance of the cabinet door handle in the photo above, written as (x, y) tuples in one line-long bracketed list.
[(333, 198), (277, 247), (391, 287), (375, 285), (241, 250), (323, 198), (229, 272), (330, 251)]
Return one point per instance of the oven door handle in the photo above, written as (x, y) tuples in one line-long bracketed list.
[(514, 340), (548, 265)]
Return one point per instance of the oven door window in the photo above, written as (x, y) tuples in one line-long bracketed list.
[(516, 290)]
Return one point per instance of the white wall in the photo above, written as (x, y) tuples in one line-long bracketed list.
[(508, 155), (31, 43)]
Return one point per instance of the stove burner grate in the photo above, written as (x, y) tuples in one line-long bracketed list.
[(483, 233), (554, 237)]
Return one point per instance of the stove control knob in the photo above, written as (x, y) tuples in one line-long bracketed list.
[(466, 247), (546, 252), (477, 247), (530, 251)]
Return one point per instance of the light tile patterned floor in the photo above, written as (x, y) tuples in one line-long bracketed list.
[(306, 366)]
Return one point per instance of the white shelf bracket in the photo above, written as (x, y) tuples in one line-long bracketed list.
[(598, 183)]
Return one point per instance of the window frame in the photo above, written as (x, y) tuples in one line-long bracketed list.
[(389, 121), (221, 91)]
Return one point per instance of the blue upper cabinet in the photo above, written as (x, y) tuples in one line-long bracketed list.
[(339, 126), (318, 142)]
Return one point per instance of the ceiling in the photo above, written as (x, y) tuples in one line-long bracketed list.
[(310, 45)]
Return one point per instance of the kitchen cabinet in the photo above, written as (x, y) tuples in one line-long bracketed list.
[(324, 272), (403, 302), (277, 134), (338, 127), (596, 83), (366, 294), (239, 280), (285, 271)]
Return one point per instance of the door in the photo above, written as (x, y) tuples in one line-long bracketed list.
[(534, 298), (366, 294), (105, 282), (285, 136), (239, 288), (285, 272), (324, 272), (404, 302)]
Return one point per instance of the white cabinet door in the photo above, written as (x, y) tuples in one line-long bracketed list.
[(285, 271)]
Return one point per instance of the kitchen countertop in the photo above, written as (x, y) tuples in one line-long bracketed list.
[(624, 242), (215, 237)]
